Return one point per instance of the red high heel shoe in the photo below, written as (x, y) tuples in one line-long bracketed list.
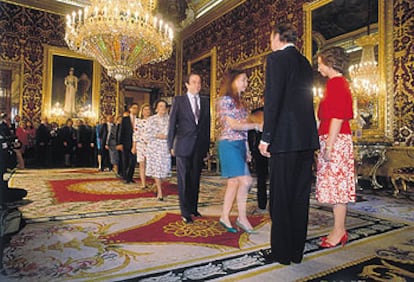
[(326, 244)]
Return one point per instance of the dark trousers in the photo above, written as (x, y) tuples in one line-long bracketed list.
[(188, 180), (290, 187), (105, 162), (262, 172), (129, 161), (42, 155)]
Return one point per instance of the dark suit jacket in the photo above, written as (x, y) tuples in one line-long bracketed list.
[(289, 120), (103, 134), (184, 135), (42, 135), (125, 134)]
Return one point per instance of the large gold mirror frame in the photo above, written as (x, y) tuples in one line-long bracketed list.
[(206, 66), (383, 126)]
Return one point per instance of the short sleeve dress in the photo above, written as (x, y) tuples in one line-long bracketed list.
[(231, 143), (335, 182), (158, 156)]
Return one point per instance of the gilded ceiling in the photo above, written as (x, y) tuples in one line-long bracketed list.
[(180, 13)]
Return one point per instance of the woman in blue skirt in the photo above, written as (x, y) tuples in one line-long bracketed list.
[(233, 148)]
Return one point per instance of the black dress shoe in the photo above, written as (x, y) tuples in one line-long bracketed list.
[(187, 219), (197, 214), (270, 258), (297, 261)]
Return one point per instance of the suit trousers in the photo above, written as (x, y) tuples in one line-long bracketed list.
[(188, 180), (262, 172), (129, 161), (290, 187)]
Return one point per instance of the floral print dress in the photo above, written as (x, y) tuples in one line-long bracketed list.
[(158, 155)]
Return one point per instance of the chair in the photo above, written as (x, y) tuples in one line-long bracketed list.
[(402, 175), (213, 158)]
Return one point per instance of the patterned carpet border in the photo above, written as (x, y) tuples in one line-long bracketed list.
[(251, 260), (371, 268)]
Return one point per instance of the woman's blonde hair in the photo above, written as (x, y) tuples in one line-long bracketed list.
[(336, 58), (143, 106)]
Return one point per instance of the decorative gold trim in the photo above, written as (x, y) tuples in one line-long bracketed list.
[(50, 51), (52, 7), (15, 67), (213, 92), (307, 35), (117, 112), (179, 67), (252, 62), (217, 12), (385, 54), (388, 69)]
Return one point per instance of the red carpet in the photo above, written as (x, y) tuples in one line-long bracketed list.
[(169, 228), (79, 190)]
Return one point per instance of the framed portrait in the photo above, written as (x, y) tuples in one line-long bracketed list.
[(71, 84)]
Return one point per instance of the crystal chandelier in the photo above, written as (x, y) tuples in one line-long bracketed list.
[(120, 34), (365, 74)]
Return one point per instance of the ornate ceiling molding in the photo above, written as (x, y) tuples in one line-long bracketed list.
[(218, 11)]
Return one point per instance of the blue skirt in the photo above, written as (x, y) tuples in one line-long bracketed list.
[(232, 155)]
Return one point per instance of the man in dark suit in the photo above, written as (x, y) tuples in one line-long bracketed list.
[(261, 163), (289, 138), (104, 133), (127, 144), (42, 142), (189, 141)]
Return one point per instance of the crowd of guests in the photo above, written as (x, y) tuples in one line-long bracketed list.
[(51, 145)]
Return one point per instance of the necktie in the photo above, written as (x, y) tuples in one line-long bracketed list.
[(196, 109)]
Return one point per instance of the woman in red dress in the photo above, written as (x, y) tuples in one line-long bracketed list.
[(335, 182)]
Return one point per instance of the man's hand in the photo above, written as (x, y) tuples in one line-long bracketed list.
[(172, 152), (263, 150), (119, 147), (248, 156)]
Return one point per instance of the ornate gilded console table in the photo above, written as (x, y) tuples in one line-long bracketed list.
[(370, 149)]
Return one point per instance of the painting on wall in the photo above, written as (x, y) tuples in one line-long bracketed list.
[(72, 84)]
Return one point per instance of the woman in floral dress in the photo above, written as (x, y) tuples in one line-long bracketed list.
[(335, 182), (141, 124), (158, 157)]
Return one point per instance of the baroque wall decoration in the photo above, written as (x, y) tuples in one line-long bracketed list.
[(242, 39), (24, 34), (403, 68), (243, 34)]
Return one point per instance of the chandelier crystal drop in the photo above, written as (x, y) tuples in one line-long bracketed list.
[(121, 35), (364, 75)]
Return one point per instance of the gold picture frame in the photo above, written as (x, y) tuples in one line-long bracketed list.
[(207, 64), (58, 62), (383, 102)]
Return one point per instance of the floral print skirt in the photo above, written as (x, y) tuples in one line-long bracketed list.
[(335, 181)]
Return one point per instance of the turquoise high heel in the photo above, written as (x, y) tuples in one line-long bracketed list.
[(247, 230), (228, 228)]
